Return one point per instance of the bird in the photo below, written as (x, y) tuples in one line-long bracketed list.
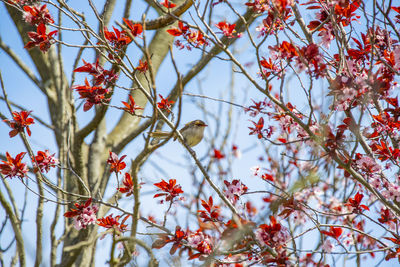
[(192, 133)]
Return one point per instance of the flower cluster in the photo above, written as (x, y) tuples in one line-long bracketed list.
[(227, 29), (99, 74), (20, 122), (113, 223), (117, 164), (84, 214), (212, 213), (44, 161), (192, 37), (40, 38), (273, 235), (200, 242), (259, 130), (165, 104), (36, 15), (128, 183), (94, 95), (13, 167), (234, 190), (170, 188)]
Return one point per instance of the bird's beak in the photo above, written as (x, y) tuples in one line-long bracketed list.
[(204, 125)]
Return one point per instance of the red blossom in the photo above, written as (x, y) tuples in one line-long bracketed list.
[(136, 29), (257, 108), (212, 213), (182, 29), (251, 209), (23, 2), (143, 66), (273, 23), (94, 95), (177, 239), (311, 60), (45, 161), (36, 15), (218, 154), (195, 38), (334, 232), (165, 104), (100, 75), (289, 206), (227, 29), (385, 121), (285, 51), (20, 122), (118, 39), (282, 6), (128, 183), (273, 234), (363, 50), (384, 151), (259, 6), (393, 254), (113, 223), (40, 38), (117, 164), (355, 203), (269, 67), (258, 128), (168, 4), (13, 167), (170, 188), (344, 11), (267, 177), (78, 210), (131, 107), (397, 10), (387, 216)]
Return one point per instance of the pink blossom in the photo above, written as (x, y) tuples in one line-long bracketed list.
[(234, 190), (200, 242), (262, 29), (232, 260), (237, 153), (301, 133), (298, 217), (287, 123), (45, 161), (327, 35), (274, 235), (368, 165), (396, 52), (327, 246), (260, 6), (255, 170), (86, 217), (376, 183), (393, 192), (344, 99), (348, 240)]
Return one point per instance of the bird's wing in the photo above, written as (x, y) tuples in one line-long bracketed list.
[(160, 134)]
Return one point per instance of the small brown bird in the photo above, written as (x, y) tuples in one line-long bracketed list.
[(192, 133)]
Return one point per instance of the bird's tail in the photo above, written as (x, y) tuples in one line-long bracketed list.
[(158, 136)]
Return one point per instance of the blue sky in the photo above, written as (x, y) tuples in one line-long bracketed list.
[(214, 81)]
